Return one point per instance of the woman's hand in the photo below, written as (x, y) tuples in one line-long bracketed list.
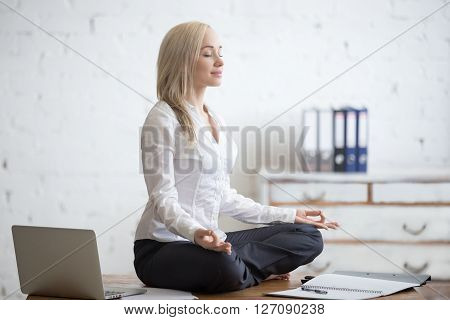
[(209, 240), (305, 216)]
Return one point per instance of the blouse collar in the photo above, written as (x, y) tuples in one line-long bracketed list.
[(192, 107)]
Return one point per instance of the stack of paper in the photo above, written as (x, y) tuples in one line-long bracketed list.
[(345, 287)]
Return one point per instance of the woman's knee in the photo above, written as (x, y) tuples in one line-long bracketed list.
[(317, 245), (317, 240), (232, 272), (310, 242)]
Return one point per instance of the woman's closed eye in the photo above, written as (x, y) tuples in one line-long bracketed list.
[(209, 54)]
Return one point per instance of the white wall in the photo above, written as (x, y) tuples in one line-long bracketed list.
[(69, 133)]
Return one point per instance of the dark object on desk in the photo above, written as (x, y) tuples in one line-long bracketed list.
[(306, 279), (315, 290), (420, 279)]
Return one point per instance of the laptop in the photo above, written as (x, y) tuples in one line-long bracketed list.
[(58, 262)]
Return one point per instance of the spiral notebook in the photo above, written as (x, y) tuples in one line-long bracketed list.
[(344, 287)]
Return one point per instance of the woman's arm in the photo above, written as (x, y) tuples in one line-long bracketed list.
[(158, 147), (246, 210)]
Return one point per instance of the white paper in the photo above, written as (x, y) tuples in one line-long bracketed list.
[(343, 287), (162, 294)]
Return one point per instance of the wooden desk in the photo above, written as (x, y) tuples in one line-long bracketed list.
[(256, 293)]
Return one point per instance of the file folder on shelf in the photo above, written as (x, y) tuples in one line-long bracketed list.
[(310, 144), (350, 139), (362, 135), (335, 140), (339, 140), (325, 140)]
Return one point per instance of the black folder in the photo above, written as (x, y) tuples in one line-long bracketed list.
[(420, 279)]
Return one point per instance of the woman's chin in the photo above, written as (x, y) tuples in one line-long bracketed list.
[(215, 84)]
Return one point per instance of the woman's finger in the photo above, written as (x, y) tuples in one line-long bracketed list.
[(334, 223), (314, 221), (228, 247), (323, 226), (316, 213), (312, 212), (318, 224), (225, 247), (332, 226), (209, 236), (216, 239), (322, 217), (206, 233)]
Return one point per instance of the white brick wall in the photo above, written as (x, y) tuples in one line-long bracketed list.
[(69, 134)]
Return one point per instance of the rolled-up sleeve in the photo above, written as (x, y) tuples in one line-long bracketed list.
[(247, 210), (157, 152)]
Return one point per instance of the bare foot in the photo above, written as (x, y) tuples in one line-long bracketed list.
[(284, 276)]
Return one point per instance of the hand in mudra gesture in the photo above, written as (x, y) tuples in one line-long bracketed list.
[(306, 216), (209, 240)]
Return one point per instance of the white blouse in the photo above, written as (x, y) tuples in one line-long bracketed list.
[(189, 187)]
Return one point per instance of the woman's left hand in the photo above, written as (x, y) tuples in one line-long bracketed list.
[(305, 216)]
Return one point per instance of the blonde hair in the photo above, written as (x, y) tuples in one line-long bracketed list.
[(177, 59)]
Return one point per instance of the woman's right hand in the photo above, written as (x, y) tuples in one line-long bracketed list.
[(209, 240)]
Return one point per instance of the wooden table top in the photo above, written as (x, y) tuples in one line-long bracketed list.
[(433, 290)]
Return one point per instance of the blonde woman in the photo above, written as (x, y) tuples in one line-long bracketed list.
[(186, 161)]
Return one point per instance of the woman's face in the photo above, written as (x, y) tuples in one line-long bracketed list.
[(208, 72)]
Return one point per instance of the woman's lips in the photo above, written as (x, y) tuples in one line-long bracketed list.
[(217, 74)]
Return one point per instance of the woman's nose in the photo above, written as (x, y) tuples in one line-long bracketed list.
[(219, 62)]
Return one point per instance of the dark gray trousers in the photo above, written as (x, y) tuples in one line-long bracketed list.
[(255, 254)]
